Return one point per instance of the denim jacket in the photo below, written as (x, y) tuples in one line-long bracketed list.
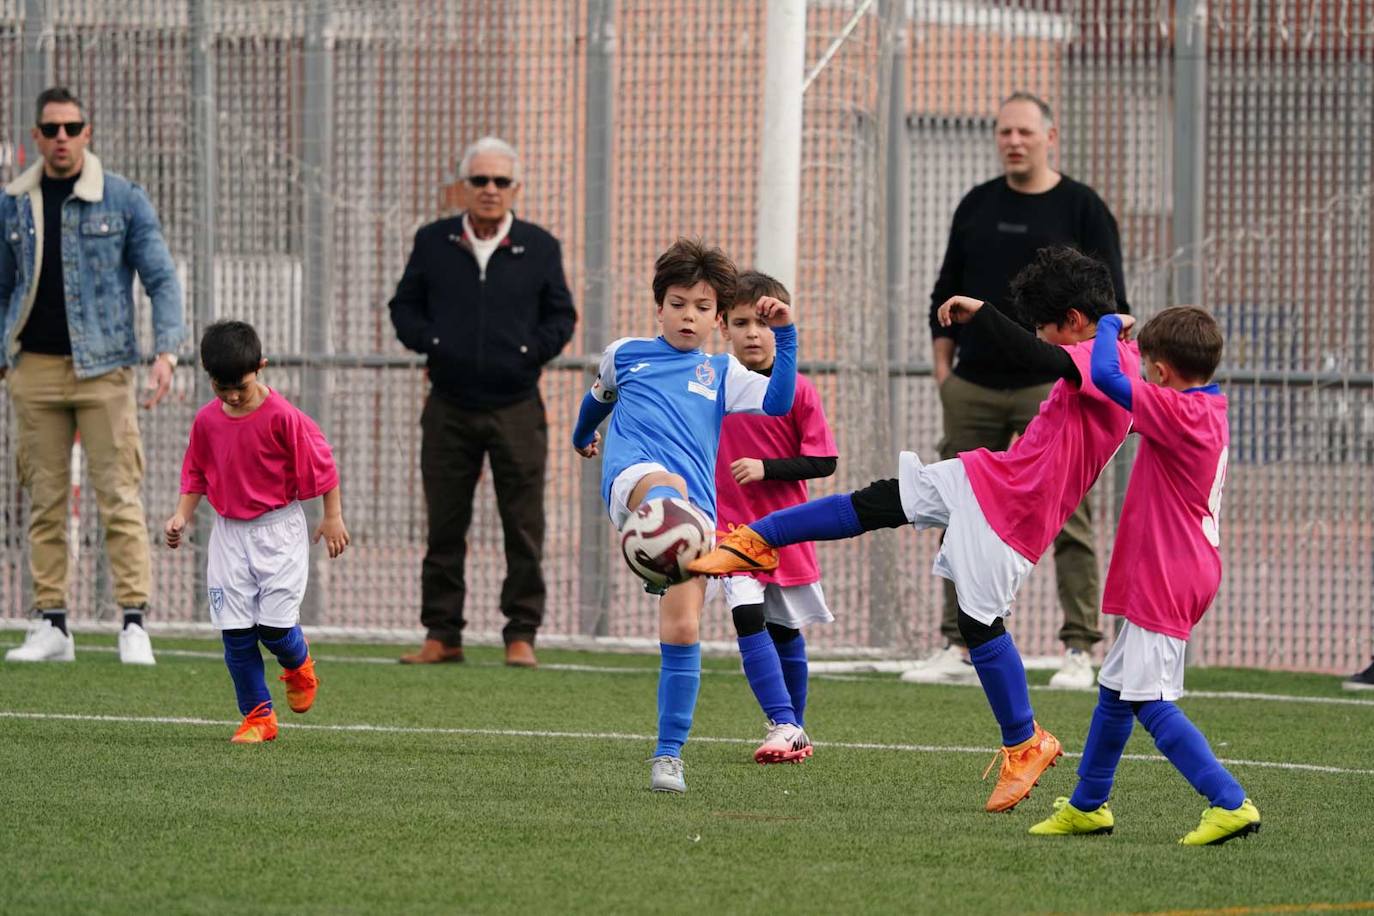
[(109, 231)]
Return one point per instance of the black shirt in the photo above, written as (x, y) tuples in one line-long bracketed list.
[(996, 232), (46, 330)]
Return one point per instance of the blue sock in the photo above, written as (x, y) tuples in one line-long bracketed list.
[(1004, 681), (1107, 736), (679, 679), (792, 655), (661, 492), (763, 670), (1178, 739), (287, 645), (830, 518), (244, 661)]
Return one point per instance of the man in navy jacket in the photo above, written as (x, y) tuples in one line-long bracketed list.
[(483, 296)]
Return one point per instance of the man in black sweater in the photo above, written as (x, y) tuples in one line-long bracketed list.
[(484, 298), (998, 227)]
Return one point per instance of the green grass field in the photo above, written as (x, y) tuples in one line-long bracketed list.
[(479, 788)]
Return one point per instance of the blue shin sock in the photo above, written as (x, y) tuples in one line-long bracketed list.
[(661, 492), (1178, 739), (244, 661), (1107, 736), (830, 518), (1004, 681), (763, 670), (679, 679), (287, 645), (792, 655)]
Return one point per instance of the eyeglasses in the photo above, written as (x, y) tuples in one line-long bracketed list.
[(481, 181), (73, 128)]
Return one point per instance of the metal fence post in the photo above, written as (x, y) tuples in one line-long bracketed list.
[(1190, 150), (204, 126), (594, 556), (896, 222), (317, 129)]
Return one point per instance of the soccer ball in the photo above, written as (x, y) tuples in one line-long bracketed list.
[(662, 537)]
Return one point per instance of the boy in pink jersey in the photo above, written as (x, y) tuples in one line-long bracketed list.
[(1000, 511), (1165, 571), (763, 464), (255, 456)]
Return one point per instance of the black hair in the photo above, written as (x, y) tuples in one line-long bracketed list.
[(1060, 278), (56, 95), (229, 350)]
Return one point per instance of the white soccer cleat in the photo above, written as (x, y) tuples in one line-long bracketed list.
[(44, 643), (943, 666), (1076, 673), (135, 648), (786, 743), (666, 775)]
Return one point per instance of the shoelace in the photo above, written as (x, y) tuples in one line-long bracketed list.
[(1003, 754), (674, 764)]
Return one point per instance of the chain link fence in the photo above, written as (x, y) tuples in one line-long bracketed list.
[(293, 147)]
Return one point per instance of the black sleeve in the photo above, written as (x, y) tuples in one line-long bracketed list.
[(802, 467), (409, 305), (1102, 240), (1021, 348), (951, 269), (557, 317)]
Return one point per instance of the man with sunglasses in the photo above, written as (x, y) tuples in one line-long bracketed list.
[(484, 298), (74, 236)]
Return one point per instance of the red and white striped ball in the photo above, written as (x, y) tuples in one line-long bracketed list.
[(662, 537)]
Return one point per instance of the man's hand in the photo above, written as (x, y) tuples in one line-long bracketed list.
[(159, 379), (746, 470), (958, 310), (590, 450), (774, 311), (173, 530), (334, 533)]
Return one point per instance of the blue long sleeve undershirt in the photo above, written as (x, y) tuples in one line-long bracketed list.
[(1106, 362), (589, 417), (782, 384)]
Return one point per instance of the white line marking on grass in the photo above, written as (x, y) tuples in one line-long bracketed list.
[(618, 736)]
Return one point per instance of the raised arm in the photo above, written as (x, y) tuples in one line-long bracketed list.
[(1012, 342), (1106, 363)]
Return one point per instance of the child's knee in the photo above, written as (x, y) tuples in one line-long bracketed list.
[(748, 619), (1154, 713), (976, 633)]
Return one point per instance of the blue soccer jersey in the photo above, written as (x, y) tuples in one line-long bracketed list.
[(669, 404)]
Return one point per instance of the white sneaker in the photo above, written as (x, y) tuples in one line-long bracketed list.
[(44, 643), (943, 666), (667, 775), (786, 743), (1076, 673), (134, 646)]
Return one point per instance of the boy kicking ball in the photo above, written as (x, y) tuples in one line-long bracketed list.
[(254, 455)]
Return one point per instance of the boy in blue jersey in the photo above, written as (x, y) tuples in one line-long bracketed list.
[(667, 399)]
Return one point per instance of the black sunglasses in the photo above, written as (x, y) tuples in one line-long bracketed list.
[(481, 181), (74, 128)]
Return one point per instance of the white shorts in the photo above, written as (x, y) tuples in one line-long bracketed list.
[(258, 569), (793, 606), (985, 570), (624, 485), (1144, 665)]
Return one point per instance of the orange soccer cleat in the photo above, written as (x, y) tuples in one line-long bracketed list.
[(258, 726), (301, 684), (742, 550), (1022, 767)]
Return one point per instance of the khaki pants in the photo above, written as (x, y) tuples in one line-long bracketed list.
[(978, 417), (52, 405)]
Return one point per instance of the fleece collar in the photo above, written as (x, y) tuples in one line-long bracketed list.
[(90, 187)]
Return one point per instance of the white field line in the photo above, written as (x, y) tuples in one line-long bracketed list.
[(831, 671), (621, 736)]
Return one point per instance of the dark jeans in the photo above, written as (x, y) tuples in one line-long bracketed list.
[(978, 417), (455, 440)]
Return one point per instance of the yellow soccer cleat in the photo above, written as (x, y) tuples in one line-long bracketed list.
[(1022, 767), (1219, 825), (1069, 821), (742, 550), (258, 726)]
